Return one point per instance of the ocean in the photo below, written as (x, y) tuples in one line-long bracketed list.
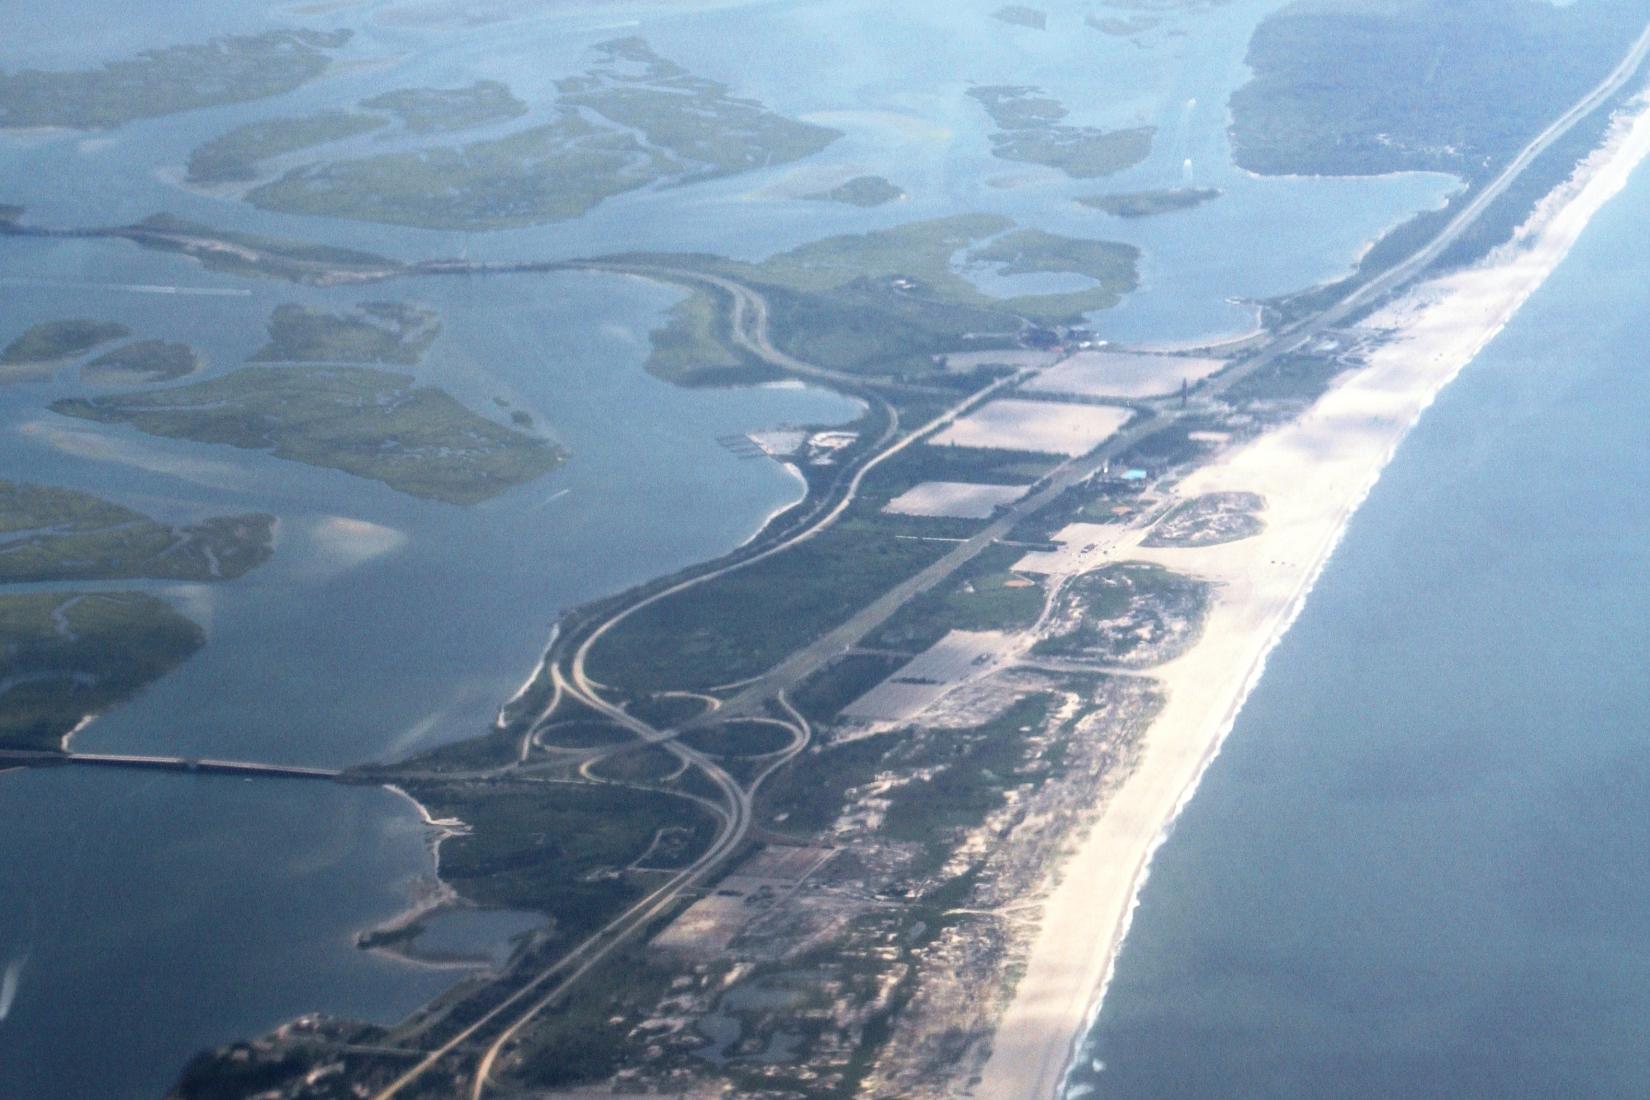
[(1418, 866)]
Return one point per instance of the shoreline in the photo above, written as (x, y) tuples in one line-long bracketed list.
[(1425, 338)]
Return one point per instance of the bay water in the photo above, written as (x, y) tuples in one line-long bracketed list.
[(144, 917)]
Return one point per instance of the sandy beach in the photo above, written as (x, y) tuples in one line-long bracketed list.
[(1313, 474)]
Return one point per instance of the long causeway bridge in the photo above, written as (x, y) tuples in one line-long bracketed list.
[(25, 758)]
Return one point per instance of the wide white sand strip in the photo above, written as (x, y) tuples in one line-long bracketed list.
[(1313, 473)]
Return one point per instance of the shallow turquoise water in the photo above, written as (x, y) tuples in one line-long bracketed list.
[(1418, 867)]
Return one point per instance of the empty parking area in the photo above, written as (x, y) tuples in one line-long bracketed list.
[(954, 499), (950, 661), (1126, 375), (1047, 427)]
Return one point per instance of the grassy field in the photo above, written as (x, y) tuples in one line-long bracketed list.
[(143, 362), (374, 332), (697, 120), (1146, 204), (545, 173), (438, 110), (983, 595), (741, 624), (1030, 129), (637, 764), (271, 258), (889, 301), (632, 120), (371, 423), (233, 157), (694, 346), (1032, 251), (65, 655), (51, 534), (558, 849), (52, 343), (738, 739), (861, 191), (1291, 378), (231, 69)]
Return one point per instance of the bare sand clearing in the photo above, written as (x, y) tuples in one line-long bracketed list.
[(1123, 374), (1082, 546), (1314, 473), (1044, 426)]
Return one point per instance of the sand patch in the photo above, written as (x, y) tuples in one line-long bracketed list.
[(1083, 546)]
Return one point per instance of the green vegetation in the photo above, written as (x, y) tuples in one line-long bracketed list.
[(371, 423), (1132, 614), (1146, 204), (908, 274), (742, 623), (52, 534), (1030, 129), (374, 332), (1021, 16), (558, 849), (887, 302), (951, 462), (250, 254), (144, 361), (664, 711), (43, 347), (1168, 446), (231, 69), (807, 794), (633, 120), (1444, 85), (861, 191), (431, 110), (983, 595), (738, 739), (1090, 501), (839, 683), (234, 157), (584, 734), (1209, 520), (694, 119), (694, 346), (1032, 251), (1295, 379), (966, 776), (66, 655), (546, 173), (637, 764)]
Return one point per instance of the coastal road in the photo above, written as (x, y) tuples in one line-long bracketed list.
[(1302, 333), (193, 765)]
